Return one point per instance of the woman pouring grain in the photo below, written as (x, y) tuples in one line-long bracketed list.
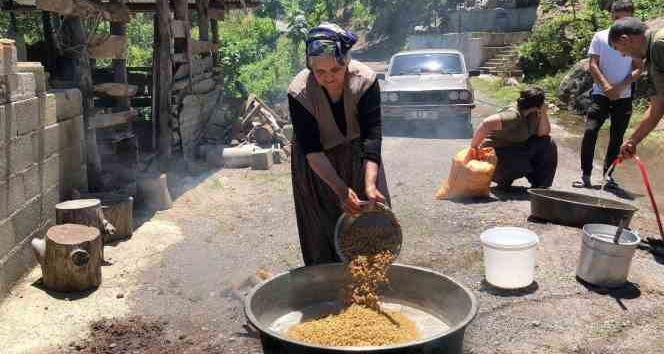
[(335, 108)]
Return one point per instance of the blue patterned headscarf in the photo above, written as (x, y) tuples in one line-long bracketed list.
[(329, 40)]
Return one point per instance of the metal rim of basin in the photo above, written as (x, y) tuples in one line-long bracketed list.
[(451, 331), (616, 205)]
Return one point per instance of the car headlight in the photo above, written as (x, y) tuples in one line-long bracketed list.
[(453, 95), (392, 97), (464, 95)]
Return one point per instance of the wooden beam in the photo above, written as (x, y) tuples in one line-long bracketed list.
[(216, 14), (214, 25), (120, 66), (107, 47), (116, 89), (163, 73), (198, 47), (83, 80), (203, 20), (105, 120), (179, 28), (85, 8)]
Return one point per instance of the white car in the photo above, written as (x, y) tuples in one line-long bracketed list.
[(428, 85)]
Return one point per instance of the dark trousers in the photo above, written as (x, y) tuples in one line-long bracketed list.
[(620, 112), (536, 159)]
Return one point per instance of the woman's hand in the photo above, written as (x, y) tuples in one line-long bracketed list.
[(350, 203), (374, 196)]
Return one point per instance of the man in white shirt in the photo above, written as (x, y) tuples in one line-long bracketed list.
[(613, 75)]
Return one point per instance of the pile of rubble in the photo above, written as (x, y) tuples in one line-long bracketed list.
[(258, 138)]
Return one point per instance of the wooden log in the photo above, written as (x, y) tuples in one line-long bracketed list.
[(71, 257), (153, 192), (105, 120), (264, 134), (107, 47), (116, 89), (118, 210), (83, 212), (164, 72)]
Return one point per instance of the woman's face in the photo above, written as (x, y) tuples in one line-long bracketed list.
[(328, 73)]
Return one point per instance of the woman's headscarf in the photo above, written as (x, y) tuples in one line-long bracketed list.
[(329, 40)]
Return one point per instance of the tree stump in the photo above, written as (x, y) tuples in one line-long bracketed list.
[(86, 212), (72, 258), (153, 192), (118, 210)]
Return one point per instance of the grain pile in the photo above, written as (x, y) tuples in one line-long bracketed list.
[(357, 326), (371, 250)]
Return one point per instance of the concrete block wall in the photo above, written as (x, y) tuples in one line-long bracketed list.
[(40, 149), (492, 20)]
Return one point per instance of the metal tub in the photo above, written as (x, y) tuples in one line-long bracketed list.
[(574, 209), (602, 262), (442, 308)]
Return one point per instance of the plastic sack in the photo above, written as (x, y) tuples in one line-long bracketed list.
[(472, 179)]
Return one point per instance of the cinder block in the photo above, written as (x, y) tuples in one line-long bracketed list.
[(50, 198), (23, 152), (50, 172), (3, 123), (65, 133), (37, 70), (27, 220), (47, 109), (7, 56), (19, 261), (263, 159), (23, 117), (69, 103), (31, 182), (16, 197), (51, 140), (4, 201), (4, 165), (6, 237), (16, 87)]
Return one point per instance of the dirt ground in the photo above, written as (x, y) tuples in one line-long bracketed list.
[(176, 285)]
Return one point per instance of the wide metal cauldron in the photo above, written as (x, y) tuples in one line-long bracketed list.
[(441, 308), (574, 209)]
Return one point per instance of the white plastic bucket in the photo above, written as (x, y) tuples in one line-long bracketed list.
[(509, 256)]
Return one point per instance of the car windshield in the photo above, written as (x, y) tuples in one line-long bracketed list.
[(429, 63)]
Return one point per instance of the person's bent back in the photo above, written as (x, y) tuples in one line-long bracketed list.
[(522, 142)]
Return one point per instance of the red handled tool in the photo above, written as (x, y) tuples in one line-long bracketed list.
[(646, 182)]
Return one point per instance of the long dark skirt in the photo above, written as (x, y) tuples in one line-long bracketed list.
[(317, 207)]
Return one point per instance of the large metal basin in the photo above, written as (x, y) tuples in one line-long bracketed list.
[(574, 209), (441, 308)]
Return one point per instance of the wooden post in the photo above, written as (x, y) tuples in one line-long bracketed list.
[(120, 65), (214, 25), (164, 73), (83, 80), (70, 257), (203, 21), (50, 38)]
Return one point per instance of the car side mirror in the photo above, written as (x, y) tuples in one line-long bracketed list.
[(380, 76), (474, 73)]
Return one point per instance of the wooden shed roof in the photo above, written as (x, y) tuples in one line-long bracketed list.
[(150, 5)]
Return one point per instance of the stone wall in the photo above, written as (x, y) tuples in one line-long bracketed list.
[(198, 104), (492, 20), (41, 154), (477, 47)]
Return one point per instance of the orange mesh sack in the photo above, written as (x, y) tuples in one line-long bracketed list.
[(472, 179)]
